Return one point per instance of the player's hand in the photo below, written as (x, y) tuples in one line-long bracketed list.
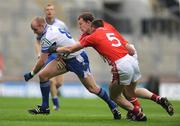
[(52, 48), (28, 76)]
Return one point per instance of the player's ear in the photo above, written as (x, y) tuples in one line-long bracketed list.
[(89, 22)]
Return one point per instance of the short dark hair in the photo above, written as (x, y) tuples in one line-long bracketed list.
[(97, 23), (86, 16)]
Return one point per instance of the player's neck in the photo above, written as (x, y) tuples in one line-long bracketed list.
[(50, 20)]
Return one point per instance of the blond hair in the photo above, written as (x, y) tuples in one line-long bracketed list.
[(38, 20), (48, 5)]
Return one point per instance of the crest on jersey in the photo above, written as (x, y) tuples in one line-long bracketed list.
[(45, 43)]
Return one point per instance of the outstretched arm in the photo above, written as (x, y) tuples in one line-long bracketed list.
[(67, 49)]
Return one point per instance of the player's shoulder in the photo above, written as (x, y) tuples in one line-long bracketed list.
[(99, 31), (59, 23), (108, 26), (51, 31)]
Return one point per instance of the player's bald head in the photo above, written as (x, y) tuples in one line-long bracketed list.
[(38, 25), (37, 21)]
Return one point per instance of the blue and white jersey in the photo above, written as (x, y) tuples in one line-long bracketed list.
[(53, 34), (60, 24)]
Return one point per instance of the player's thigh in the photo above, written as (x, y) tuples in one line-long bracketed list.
[(52, 69), (90, 83), (129, 91), (115, 89)]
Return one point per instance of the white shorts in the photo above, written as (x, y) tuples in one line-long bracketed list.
[(126, 70)]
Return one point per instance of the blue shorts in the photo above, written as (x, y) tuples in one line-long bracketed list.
[(51, 57), (79, 65)]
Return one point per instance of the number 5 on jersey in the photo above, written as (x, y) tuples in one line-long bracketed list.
[(115, 41)]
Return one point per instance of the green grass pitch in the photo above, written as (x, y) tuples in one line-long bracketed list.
[(80, 112)]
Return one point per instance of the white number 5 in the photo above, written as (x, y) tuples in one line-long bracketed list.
[(112, 38)]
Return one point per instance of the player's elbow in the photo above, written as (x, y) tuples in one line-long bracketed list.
[(131, 49), (131, 52)]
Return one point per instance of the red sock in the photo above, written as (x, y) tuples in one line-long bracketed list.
[(135, 102), (136, 110), (155, 97)]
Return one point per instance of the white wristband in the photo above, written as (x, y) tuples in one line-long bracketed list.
[(32, 73)]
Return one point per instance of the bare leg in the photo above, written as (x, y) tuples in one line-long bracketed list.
[(146, 94), (90, 84), (56, 82), (92, 87), (115, 94), (49, 71)]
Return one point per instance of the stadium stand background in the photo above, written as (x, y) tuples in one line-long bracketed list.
[(153, 26)]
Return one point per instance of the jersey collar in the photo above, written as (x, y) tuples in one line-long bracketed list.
[(51, 22)]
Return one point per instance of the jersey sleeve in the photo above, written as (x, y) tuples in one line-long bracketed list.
[(86, 41), (82, 36), (61, 24), (65, 27)]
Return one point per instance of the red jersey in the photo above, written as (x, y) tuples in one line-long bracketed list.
[(82, 36), (110, 27), (108, 42), (107, 26)]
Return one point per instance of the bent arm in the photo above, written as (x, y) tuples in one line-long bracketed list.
[(131, 49), (40, 63), (37, 48)]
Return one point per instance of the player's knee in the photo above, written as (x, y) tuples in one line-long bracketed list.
[(113, 96), (131, 93), (59, 85), (43, 77)]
